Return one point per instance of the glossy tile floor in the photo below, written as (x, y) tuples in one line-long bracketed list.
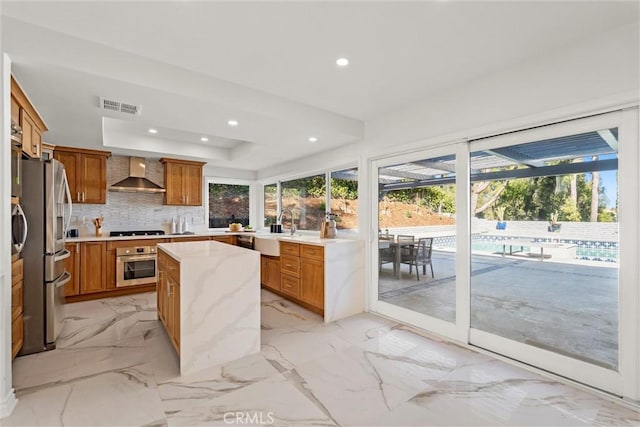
[(114, 366)]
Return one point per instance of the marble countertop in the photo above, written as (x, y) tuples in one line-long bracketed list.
[(306, 239), (181, 251), (106, 237)]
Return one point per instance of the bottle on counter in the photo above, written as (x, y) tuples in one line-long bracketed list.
[(174, 226), (180, 225)]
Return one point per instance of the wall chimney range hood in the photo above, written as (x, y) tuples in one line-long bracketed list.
[(136, 182)]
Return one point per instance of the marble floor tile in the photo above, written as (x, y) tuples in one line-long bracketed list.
[(65, 364), (359, 328), (280, 313), (121, 397), (290, 347), (184, 392), (277, 403), (115, 366)]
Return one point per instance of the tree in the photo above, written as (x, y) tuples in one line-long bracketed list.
[(487, 199)]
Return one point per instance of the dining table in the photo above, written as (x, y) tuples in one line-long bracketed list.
[(397, 246)]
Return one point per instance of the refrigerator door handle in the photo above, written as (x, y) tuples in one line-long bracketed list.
[(64, 279), (68, 192), (18, 210), (64, 255)]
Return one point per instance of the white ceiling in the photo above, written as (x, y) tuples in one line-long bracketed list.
[(271, 65)]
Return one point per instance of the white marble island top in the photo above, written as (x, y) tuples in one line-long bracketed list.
[(183, 251), (219, 299)]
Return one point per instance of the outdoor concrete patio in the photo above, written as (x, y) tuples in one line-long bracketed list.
[(570, 308)]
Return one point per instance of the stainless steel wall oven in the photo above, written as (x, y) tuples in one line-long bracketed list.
[(136, 266)]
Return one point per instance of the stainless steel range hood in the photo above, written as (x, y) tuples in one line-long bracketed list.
[(136, 182)]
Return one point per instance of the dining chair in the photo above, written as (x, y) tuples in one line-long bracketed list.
[(405, 245), (386, 254), (421, 256)]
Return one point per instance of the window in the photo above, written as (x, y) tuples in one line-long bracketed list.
[(270, 204), (344, 198), (307, 198), (228, 203)]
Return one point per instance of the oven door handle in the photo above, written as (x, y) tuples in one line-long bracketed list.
[(128, 258)]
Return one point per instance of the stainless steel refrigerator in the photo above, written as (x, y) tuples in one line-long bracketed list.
[(46, 202)]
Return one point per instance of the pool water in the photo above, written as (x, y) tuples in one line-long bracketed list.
[(606, 252)]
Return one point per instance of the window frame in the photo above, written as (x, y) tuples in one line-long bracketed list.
[(228, 181), (327, 173)]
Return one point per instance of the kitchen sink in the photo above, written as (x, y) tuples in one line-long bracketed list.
[(267, 245)]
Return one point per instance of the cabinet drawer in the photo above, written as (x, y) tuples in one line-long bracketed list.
[(287, 248), (16, 271), (290, 285), (17, 335), (16, 300), (313, 252), (290, 265)]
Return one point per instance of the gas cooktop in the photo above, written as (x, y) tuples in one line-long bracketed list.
[(136, 233)]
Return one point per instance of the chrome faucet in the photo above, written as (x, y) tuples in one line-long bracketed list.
[(293, 222)]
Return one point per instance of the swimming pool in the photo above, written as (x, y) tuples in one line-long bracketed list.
[(588, 250)]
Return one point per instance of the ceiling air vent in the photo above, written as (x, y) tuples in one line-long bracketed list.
[(121, 107)]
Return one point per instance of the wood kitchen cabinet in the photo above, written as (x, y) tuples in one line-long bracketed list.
[(17, 324), (302, 274), (169, 297), (93, 267), (86, 172), (270, 272), (24, 114), (72, 265), (183, 182), (230, 240)]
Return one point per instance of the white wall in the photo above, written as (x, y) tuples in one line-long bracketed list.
[(7, 398), (602, 68)]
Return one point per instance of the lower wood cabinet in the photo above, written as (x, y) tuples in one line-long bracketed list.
[(302, 274), (230, 240), (93, 267), (312, 282), (17, 324), (169, 297), (270, 272)]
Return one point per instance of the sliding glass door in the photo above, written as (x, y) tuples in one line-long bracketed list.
[(533, 241), (545, 210), (417, 238)]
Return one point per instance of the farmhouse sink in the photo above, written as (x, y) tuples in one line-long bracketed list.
[(267, 245)]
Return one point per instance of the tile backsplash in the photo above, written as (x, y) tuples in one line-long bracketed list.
[(129, 211)]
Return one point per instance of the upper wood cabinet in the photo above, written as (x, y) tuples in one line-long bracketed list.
[(87, 173), (183, 181), (24, 114)]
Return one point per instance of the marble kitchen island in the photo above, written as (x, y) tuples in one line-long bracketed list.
[(209, 301)]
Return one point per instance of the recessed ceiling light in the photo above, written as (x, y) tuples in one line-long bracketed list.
[(153, 130), (313, 139), (342, 62), (204, 139), (232, 122)]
